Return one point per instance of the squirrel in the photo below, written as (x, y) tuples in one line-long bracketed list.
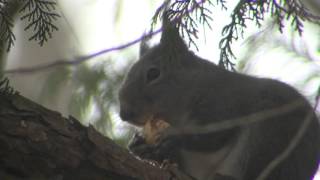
[(193, 96)]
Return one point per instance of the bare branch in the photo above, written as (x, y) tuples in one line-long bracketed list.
[(81, 59), (180, 12), (292, 145), (76, 61), (240, 121), (38, 142)]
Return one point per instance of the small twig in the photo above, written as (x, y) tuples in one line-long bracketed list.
[(76, 61), (240, 121), (81, 59), (292, 145)]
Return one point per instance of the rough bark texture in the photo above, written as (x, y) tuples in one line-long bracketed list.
[(37, 143)]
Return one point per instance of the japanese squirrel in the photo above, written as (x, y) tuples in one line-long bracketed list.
[(171, 83)]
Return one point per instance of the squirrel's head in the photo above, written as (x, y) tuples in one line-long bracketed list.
[(155, 86)]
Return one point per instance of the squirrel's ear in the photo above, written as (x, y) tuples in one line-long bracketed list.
[(170, 37), (144, 46)]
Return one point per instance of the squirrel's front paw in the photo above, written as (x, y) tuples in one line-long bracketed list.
[(140, 148), (166, 145)]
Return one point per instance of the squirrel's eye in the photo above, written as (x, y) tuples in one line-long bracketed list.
[(152, 74)]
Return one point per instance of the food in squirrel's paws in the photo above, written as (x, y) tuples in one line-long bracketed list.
[(152, 130)]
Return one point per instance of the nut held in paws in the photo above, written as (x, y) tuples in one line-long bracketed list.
[(153, 128)]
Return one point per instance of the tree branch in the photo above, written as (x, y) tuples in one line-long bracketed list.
[(76, 61), (37, 143)]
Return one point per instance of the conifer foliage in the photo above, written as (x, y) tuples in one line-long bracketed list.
[(40, 17), (188, 14)]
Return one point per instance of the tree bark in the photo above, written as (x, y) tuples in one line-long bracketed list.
[(37, 143)]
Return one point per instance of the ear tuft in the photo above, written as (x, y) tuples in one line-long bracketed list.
[(144, 46), (170, 34)]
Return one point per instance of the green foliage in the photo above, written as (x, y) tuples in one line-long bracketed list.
[(95, 87), (86, 81), (300, 55), (96, 91), (39, 14), (54, 83), (256, 11), (188, 14), (5, 88), (118, 10), (6, 24)]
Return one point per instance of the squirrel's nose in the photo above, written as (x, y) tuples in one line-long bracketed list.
[(127, 115)]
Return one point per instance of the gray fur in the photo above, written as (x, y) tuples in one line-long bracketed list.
[(193, 92)]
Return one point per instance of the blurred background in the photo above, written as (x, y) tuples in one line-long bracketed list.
[(88, 91)]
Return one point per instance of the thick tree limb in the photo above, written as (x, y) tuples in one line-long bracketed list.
[(37, 143)]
